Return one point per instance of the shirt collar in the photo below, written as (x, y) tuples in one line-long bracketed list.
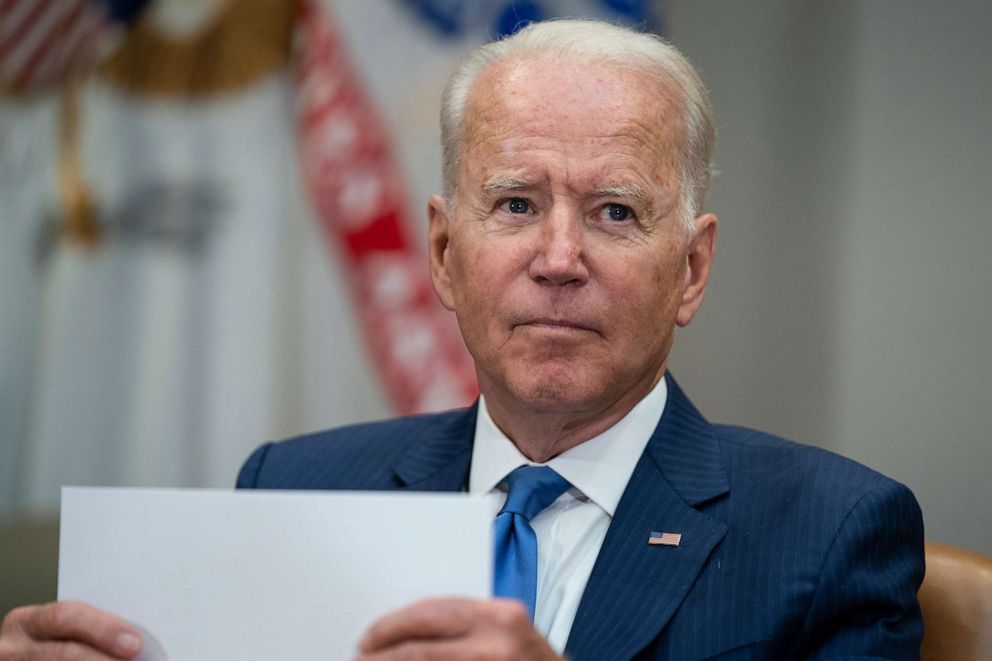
[(600, 467)]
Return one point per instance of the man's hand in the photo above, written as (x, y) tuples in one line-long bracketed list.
[(66, 630), (456, 629)]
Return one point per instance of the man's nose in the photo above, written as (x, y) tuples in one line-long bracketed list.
[(560, 258)]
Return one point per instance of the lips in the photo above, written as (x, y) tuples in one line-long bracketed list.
[(559, 324)]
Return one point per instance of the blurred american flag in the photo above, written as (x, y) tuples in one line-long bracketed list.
[(42, 41)]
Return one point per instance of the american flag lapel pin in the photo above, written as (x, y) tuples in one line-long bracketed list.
[(665, 538)]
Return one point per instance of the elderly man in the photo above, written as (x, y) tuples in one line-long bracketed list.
[(569, 243)]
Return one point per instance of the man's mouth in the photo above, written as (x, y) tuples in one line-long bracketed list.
[(560, 325)]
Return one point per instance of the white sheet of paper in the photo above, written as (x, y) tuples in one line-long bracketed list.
[(211, 574)]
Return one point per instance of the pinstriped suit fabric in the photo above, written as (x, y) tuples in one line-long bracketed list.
[(787, 551), (414, 453)]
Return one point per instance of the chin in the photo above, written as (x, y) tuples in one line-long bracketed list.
[(555, 389)]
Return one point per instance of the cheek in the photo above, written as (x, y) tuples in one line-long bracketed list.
[(476, 281), (485, 266), (648, 302)]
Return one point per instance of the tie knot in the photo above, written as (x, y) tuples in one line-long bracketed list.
[(532, 488)]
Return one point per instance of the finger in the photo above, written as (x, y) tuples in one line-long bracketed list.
[(417, 650), (431, 618), (64, 650), (76, 621)]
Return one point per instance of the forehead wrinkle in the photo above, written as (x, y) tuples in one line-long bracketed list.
[(507, 127)]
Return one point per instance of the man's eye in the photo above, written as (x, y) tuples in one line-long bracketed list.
[(617, 212), (516, 205)]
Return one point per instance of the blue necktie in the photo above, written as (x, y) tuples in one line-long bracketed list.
[(532, 488)]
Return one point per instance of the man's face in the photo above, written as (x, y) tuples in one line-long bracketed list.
[(565, 259)]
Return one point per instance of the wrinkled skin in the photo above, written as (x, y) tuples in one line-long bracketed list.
[(564, 258)]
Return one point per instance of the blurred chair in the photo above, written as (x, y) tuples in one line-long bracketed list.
[(956, 600)]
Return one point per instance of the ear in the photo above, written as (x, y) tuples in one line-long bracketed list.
[(437, 238), (699, 259)]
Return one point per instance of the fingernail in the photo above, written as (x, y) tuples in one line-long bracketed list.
[(127, 643)]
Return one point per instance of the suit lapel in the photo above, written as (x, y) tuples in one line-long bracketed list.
[(635, 587), (440, 460)]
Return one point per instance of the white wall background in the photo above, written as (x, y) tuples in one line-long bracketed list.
[(851, 305)]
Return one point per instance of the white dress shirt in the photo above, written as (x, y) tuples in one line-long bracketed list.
[(571, 530)]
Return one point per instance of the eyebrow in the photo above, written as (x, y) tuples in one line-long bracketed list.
[(502, 184), (632, 191)]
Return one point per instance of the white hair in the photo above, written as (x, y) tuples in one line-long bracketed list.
[(602, 42)]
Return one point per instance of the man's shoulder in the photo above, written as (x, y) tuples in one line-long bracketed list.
[(775, 452), (803, 475), (358, 456), (763, 467)]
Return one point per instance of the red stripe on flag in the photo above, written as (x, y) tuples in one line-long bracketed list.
[(21, 29), (50, 39), (48, 50), (358, 194)]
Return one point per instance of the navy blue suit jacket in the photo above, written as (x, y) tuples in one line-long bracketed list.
[(787, 551)]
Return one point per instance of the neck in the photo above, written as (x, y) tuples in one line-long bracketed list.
[(542, 432)]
